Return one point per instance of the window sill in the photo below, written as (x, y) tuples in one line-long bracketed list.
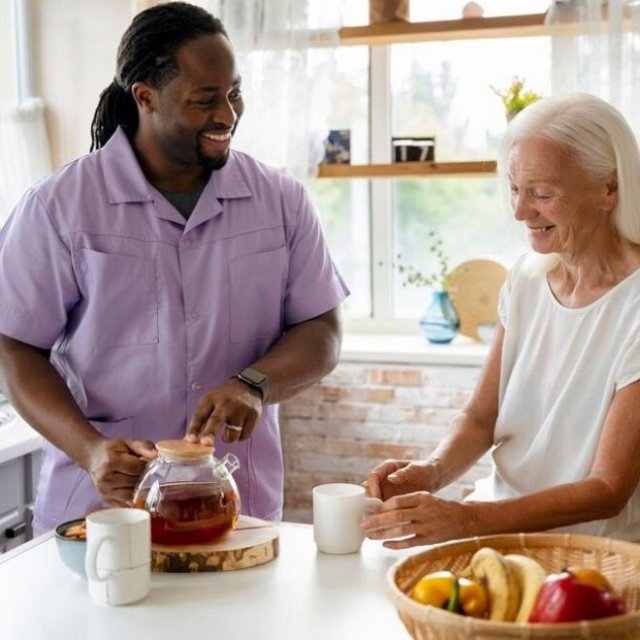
[(411, 349)]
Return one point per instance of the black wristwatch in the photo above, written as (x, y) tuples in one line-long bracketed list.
[(255, 380)]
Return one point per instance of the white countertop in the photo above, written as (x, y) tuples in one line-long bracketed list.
[(411, 349), (18, 439), (302, 594)]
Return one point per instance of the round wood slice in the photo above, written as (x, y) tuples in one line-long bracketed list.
[(252, 543), (474, 287)]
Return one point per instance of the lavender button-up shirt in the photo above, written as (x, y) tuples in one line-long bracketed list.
[(144, 311)]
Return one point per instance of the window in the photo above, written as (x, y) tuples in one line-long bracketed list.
[(435, 88), (345, 204), (452, 9), (444, 89)]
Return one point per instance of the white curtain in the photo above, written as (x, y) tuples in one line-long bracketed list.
[(140, 5), (24, 151), (596, 49), (286, 84)]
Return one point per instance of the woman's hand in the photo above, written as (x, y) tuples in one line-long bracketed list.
[(397, 477), (419, 518)]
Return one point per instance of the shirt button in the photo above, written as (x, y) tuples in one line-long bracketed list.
[(185, 243), (193, 316), (197, 385)]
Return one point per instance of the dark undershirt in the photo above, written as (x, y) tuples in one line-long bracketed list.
[(185, 202)]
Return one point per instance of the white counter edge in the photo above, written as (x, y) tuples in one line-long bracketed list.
[(18, 439), (411, 349)]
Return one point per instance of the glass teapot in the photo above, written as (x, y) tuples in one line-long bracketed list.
[(191, 496)]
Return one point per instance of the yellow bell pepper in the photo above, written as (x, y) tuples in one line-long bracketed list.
[(444, 590)]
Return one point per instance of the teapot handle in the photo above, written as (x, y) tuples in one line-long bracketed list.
[(229, 463)]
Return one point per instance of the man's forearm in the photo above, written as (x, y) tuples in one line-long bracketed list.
[(306, 353), (41, 397)]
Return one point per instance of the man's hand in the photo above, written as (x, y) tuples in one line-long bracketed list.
[(397, 477), (115, 466), (233, 408)]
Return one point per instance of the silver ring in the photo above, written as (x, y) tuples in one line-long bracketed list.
[(234, 427)]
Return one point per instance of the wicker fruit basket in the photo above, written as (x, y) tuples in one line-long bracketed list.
[(619, 561)]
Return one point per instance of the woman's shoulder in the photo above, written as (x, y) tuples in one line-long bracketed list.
[(532, 267)]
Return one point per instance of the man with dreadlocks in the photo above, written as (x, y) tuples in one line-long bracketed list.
[(163, 286)]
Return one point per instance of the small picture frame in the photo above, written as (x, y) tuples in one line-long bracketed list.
[(337, 147), (414, 149)]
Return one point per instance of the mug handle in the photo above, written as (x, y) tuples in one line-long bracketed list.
[(91, 559)]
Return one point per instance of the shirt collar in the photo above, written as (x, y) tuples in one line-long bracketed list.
[(123, 177), (230, 181), (125, 181)]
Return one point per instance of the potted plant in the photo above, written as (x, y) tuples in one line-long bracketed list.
[(515, 98), (439, 323)]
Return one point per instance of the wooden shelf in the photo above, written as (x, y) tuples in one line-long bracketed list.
[(407, 32), (463, 29), (407, 169)]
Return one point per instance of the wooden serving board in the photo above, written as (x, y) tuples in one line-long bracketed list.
[(252, 543), (474, 288)]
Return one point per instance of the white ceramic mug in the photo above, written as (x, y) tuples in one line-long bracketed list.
[(338, 510), (118, 560)]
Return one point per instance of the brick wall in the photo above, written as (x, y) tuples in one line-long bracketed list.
[(364, 413)]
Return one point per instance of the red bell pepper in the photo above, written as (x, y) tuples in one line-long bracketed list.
[(563, 598)]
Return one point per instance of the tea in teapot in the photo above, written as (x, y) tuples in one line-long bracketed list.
[(191, 496)]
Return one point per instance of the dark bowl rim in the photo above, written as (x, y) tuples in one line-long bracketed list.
[(62, 527)]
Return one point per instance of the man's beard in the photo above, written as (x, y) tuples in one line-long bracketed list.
[(212, 164)]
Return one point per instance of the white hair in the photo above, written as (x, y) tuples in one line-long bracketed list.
[(597, 135)]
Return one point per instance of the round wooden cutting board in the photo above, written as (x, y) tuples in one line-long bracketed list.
[(252, 543), (474, 287)]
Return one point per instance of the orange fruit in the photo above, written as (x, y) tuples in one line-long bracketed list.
[(590, 576)]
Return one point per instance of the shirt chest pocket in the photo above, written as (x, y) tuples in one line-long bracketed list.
[(257, 288), (120, 305)]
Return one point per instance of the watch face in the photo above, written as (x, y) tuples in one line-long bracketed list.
[(253, 376)]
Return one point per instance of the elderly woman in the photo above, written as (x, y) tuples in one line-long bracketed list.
[(558, 399)]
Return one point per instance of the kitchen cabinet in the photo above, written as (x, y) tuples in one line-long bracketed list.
[(18, 479), (20, 460)]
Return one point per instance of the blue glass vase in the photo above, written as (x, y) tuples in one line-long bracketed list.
[(439, 323)]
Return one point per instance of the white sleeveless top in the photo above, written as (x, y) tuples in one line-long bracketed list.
[(560, 370)]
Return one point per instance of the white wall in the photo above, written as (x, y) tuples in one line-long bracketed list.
[(74, 43)]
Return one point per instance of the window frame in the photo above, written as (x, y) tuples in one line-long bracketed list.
[(381, 319), (23, 58)]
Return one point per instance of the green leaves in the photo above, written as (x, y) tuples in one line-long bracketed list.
[(514, 98), (434, 278)]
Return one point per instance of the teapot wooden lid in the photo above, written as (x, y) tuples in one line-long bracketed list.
[(184, 450)]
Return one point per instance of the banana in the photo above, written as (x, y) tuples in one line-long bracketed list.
[(530, 575), (489, 568)]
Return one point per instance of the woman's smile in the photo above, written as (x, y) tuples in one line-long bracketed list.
[(539, 231)]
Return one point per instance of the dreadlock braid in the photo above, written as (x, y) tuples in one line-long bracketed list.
[(147, 53)]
